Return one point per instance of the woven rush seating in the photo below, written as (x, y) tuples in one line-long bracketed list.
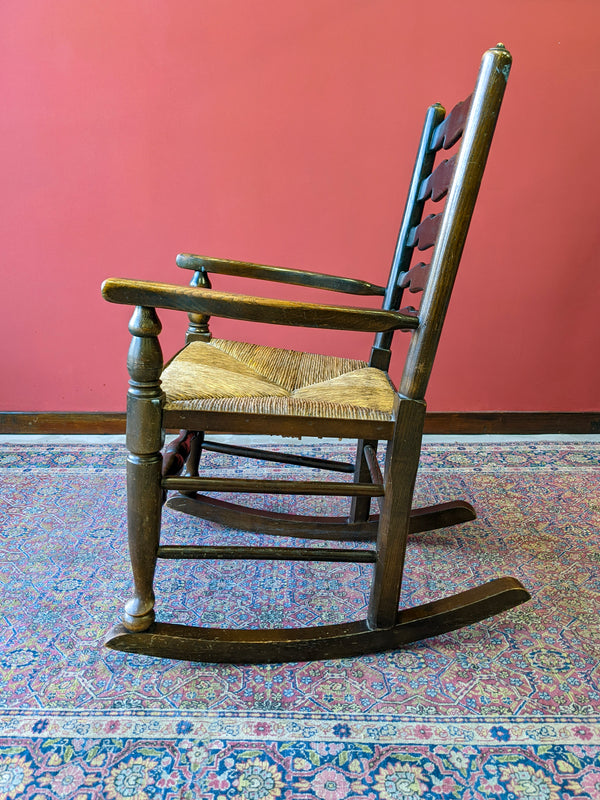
[(241, 389), (224, 375)]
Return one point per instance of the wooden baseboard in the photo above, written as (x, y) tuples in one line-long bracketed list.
[(65, 422), (474, 423), (513, 422)]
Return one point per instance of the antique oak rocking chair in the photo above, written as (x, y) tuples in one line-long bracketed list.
[(234, 387)]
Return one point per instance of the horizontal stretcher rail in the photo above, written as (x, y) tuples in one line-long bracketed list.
[(333, 488), (280, 458), (268, 553)]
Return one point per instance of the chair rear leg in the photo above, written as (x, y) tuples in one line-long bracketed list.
[(401, 464), (360, 507), (193, 461)]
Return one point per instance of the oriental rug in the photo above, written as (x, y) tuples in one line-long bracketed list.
[(507, 708)]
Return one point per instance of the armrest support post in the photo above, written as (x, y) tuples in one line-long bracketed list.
[(198, 330)]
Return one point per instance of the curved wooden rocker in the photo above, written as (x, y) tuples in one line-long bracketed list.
[(239, 388), (276, 523), (330, 641)]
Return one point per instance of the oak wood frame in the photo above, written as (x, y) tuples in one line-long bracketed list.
[(385, 625)]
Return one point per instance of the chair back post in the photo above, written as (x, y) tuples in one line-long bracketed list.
[(403, 453), (381, 354), (462, 194)]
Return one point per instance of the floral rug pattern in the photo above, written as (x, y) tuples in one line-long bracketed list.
[(508, 708)]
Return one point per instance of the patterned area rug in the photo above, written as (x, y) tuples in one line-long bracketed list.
[(508, 708)]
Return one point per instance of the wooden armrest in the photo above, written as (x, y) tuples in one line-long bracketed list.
[(254, 309), (245, 269)]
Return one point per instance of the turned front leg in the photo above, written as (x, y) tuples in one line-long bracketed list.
[(144, 441)]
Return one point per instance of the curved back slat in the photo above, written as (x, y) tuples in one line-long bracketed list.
[(415, 280), (436, 185), (451, 129), (425, 234)]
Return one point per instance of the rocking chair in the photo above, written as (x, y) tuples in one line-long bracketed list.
[(223, 386)]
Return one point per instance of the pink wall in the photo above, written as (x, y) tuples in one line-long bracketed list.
[(284, 133)]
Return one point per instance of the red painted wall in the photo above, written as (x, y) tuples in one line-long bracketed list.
[(284, 133)]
